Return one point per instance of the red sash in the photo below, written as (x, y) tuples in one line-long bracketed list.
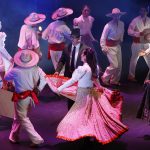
[(19, 49), (136, 39), (55, 47), (20, 96), (112, 43)]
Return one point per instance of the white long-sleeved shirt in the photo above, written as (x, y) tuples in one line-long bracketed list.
[(56, 32), (3, 51), (5, 60), (83, 75), (5, 57), (26, 78), (137, 25), (28, 38), (84, 24), (112, 31)]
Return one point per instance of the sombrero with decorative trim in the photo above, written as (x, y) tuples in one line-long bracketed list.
[(61, 13)]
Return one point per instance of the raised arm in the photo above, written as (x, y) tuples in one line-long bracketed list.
[(76, 76)]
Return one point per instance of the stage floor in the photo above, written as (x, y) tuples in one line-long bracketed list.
[(46, 116)]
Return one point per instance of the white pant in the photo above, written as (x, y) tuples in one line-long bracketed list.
[(113, 71), (55, 56), (136, 47), (21, 120)]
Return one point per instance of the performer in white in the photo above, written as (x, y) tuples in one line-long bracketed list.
[(25, 76), (137, 28), (29, 35), (85, 23), (110, 41), (6, 61), (55, 34)]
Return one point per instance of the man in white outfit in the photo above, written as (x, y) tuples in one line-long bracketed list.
[(110, 41), (56, 34), (137, 28), (28, 38), (25, 76), (85, 22), (6, 61)]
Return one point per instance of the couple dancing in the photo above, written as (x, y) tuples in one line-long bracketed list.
[(95, 113)]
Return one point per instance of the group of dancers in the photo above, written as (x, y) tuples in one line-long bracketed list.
[(94, 111)]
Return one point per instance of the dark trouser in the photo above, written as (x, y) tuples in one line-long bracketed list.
[(70, 103), (144, 109)]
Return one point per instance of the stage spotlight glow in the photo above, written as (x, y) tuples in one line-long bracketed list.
[(40, 28)]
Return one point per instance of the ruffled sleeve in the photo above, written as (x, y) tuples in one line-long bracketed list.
[(147, 51), (76, 76)]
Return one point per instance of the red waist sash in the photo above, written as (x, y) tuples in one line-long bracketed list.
[(112, 43), (56, 46), (20, 96), (136, 39)]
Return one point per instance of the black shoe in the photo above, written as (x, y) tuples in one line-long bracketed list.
[(14, 141), (33, 145), (146, 137)]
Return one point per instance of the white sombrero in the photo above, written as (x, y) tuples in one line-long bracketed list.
[(115, 11), (34, 18), (26, 58), (61, 13)]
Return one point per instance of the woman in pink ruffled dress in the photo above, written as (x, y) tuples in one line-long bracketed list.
[(95, 113)]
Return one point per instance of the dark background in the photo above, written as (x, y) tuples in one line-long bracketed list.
[(13, 12)]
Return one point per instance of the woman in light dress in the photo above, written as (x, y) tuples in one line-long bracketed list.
[(95, 113)]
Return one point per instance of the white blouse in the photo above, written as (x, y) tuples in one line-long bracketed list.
[(147, 51), (5, 57), (83, 75)]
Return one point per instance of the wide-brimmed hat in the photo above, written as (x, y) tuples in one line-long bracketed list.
[(61, 13), (115, 11), (26, 58), (34, 18), (75, 32)]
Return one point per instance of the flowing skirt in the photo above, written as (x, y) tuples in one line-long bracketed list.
[(94, 114)]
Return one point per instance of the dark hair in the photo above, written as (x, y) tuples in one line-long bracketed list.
[(86, 6), (75, 32), (91, 60), (144, 6)]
